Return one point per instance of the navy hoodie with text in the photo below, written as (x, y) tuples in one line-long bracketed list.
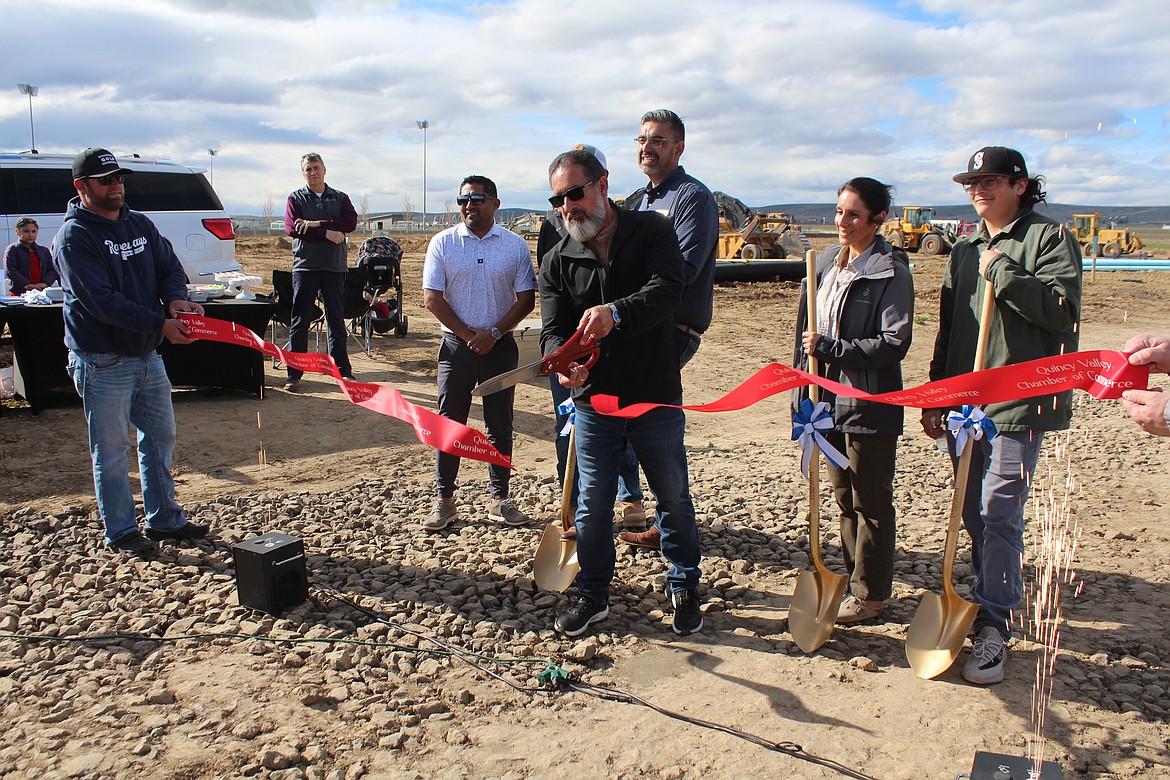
[(118, 275)]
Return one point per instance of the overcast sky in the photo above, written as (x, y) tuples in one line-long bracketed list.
[(783, 101)]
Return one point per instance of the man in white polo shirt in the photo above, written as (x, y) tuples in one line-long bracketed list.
[(479, 283)]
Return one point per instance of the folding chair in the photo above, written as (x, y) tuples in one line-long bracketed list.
[(282, 297)]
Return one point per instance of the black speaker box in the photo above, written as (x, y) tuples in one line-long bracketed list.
[(994, 766), (270, 572)]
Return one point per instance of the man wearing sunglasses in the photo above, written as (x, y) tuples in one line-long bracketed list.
[(619, 275), (124, 289), (1033, 268), (318, 217), (691, 209), (479, 284)]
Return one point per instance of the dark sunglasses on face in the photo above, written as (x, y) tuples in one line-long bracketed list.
[(106, 181), (574, 194), (476, 197)]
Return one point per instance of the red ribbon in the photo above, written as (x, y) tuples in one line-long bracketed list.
[(1101, 373), (432, 429)]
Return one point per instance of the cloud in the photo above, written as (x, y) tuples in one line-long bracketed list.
[(783, 101)]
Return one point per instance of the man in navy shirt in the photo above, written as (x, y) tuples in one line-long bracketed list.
[(691, 209), (124, 289)]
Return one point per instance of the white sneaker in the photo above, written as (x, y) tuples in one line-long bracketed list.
[(985, 665), (507, 511)]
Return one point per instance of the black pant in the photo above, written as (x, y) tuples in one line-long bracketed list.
[(460, 370), (865, 494), (331, 286)]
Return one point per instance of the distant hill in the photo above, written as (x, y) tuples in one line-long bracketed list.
[(823, 213)]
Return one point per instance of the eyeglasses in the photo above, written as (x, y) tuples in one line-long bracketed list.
[(106, 181), (657, 141), (573, 194), (476, 197), (987, 183)]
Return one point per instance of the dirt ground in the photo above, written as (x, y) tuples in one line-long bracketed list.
[(855, 702)]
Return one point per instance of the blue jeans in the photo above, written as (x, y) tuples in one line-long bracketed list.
[(118, 391), (629, 485), (993, 512), (657, 439)]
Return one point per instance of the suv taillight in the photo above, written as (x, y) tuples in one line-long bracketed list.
[(220, 228)]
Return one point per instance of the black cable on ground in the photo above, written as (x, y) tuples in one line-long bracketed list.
[(787, 748), (471, 659), (553, 678)]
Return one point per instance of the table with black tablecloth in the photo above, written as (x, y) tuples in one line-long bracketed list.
[(38, 339)]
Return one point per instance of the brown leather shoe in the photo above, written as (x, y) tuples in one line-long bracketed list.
[(633, 516), (651, 538)]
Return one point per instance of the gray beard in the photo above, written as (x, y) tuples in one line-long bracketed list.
[(584, 231)]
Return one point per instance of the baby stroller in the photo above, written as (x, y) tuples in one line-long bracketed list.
[(381, 256)]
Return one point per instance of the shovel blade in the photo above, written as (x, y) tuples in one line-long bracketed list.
[(937, 633), (814, 607), (556, 563)]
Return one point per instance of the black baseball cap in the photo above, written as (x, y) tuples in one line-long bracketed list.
[(94, 163), (994, 161)]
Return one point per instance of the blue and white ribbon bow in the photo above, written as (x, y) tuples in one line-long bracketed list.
[(970, 423), (567, 408), (807, 424)]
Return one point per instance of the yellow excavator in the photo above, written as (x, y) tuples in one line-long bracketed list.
[(1107, 242), (915, 232), (526, 225), (746, 234)]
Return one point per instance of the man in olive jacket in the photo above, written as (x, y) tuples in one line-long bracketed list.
[(1034, 268)]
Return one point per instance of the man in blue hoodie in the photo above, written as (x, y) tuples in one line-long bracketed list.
[(124, 289)]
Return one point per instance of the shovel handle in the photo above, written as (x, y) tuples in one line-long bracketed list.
[(963, 467), (810, 290), (569, 481), (814, 394), (984, 325)]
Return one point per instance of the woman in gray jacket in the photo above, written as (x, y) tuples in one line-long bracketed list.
[(865, 314)]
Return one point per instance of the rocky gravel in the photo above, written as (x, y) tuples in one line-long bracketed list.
[(130, 647), (112, 667)]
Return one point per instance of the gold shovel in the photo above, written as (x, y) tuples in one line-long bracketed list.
[(556, 563), (936, 635), (818, 592)]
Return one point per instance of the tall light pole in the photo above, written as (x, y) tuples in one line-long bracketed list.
[(212, 153), (423, 125), (31, 91)]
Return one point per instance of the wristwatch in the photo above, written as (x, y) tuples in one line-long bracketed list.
[(617, 318), (496, 333)]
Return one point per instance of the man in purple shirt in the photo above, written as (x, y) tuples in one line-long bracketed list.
[(317, 217)]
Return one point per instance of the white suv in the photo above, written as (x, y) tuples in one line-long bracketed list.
[(177, 199)]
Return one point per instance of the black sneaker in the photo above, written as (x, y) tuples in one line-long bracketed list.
[(135, 544), (187, 531), (688, 618), (582, 613)]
